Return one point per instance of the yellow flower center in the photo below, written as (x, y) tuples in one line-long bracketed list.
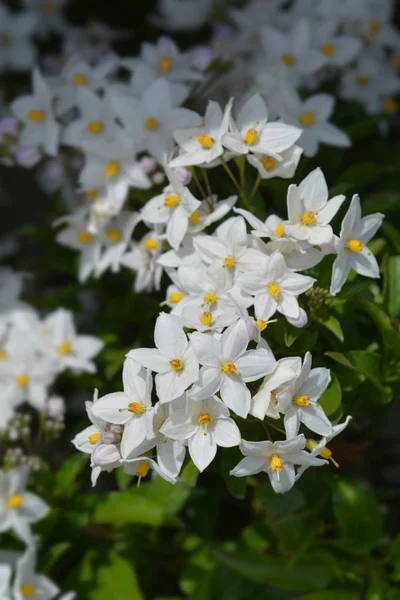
[(276, 463), (3, 355), (396, 62), (251, 136), (151, 244), (171, 201), (65, 347), (28, 590), (210, 298), (205, 140), (175, 298), (151, 123), (268, 162), (5, 40), (274, 290), (136, 408), (94, 438), (373, 29), (142, 469), (176, 364), (355, 245), (15, 501), (229, 262), (326, 453), (229, 368), (261, 324), (363, 80), (205, 420), (194, 218), (165, 64), (84, 237), (307, 118), (390, 106), (308, 218), (79, 79), (22, 380), (92, 194), (288, 59), (36, 115), (279, 231), (114, 235), (48, 7), (206, 318), (95, 127), (112, 168), (328, 49), (272, 397), (302, 400)]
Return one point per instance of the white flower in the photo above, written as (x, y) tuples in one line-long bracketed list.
[(173, 207), (173, 360), (309, 210), (250, 131), (5, 578), (227, 366), (312, 116), (131, 408), (269, 166), (170, 452), (36, 114), (277, 459), (77, 236), (275, 288), (206, 425), (209, 211), (91, 437), (49, 16), (18, 507), (226, 250), (203, 145), (28, 583), (351, 246), (320, 448), (117, 236), (140, 466), (143, 260), (338, 50), (17, 52), (265, 402), (298, 400), (175, 15)]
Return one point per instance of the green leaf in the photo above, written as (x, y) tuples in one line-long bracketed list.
[(358, 516), (390, 337), (331, 399), (333, 325), (331, 595), (67, 477), (392, 290), (393, 235), (306, 575), (117, 579)]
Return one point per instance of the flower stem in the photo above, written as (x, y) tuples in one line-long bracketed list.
[(255, 187)]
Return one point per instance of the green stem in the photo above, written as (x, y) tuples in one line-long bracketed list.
[(231, 175), (255, 187), (197, 182)]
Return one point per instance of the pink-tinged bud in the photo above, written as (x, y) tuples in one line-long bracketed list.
[(8, 126), (252, 329), (184, 175), (202, 57), (148, 164), (108, 437), (158, 178), (105, 455), (222, 31), (28, 157), (301, 320), (55, 407), (117, 429)]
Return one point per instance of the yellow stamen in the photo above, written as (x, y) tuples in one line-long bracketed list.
[(94, 438), (151, 244), (373, 29), (205, 140), (22, 380), (251, 136), (95, 127), (28, 590), (205, 420), (112, 168), (390, 106), (136, 408), (3, 355), (48, 7), (175, 298), (307, 118), (288, 59), (229, 368), (229, 262), (36, 115), (396, 62), (210, 298), (176, 364), (15, 501), (165, 64), (355, 245), (273, 398), (171, 201), (65, 347), (92, 194), (152, 124), (308, 217), (194, 218), (142, 469), (206, 318), (328, 49), (114, 235), (84, 237), (326, 453), (302, 400), (274, 289), (279, 231), (363, 80), (276, 463), (268, 162), (79, 79), (261, 324)]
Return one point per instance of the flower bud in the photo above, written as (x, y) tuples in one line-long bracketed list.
[(158, 178), (105, 455), (184, 175), (55, 407), (116, 429), (28, 157), (300, 321), (202, 57), (108, 437), (148, 164), (8, 126)]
